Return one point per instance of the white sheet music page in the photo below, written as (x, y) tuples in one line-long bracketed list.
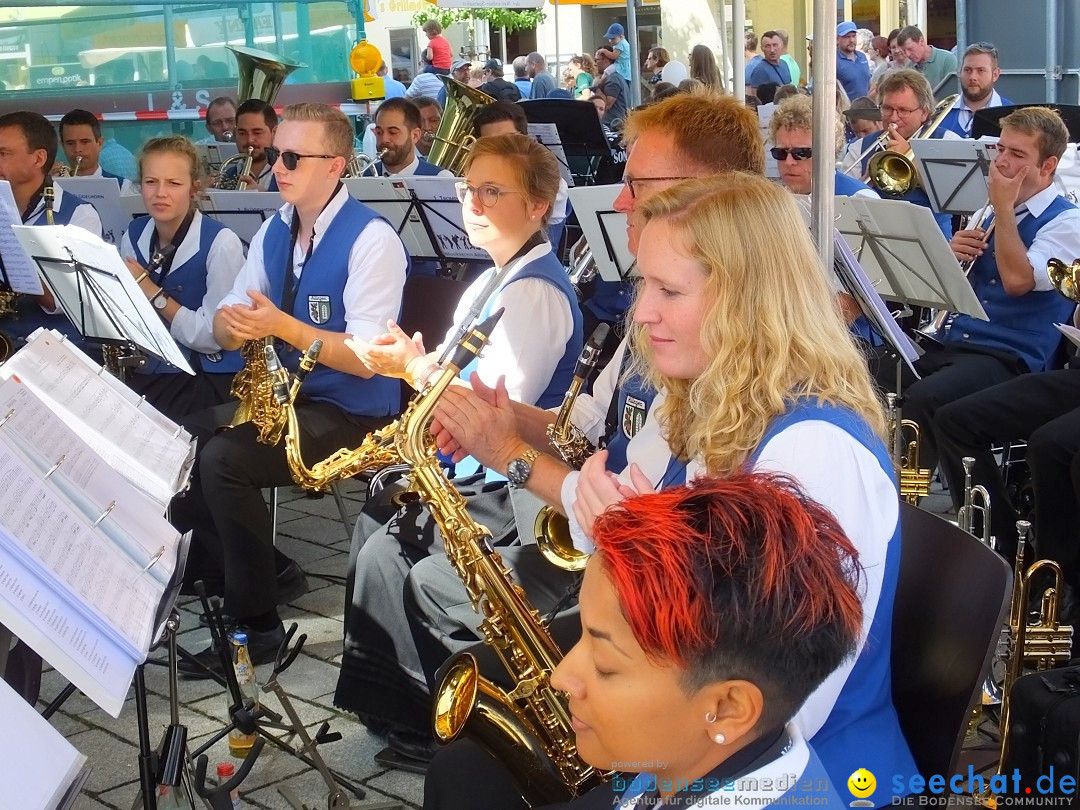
[(42, 528), (102, 298), (136, 522), (21, 272), (37, 764), (129, 439)]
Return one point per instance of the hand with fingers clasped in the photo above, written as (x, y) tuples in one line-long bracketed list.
[(389, 354), (599, 489), (261, 319), (478, 423)]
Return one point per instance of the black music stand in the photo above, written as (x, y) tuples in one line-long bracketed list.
[(987, 121), (580, 134)]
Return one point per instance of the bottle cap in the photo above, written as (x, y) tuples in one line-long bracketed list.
[(240, 637), (225, 770)]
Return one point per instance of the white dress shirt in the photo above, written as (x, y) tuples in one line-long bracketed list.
[(410, 170), (1058, 238), (194, 328), (85, 216), (530, 338), (126, 186), (967, 115), (376, 270)]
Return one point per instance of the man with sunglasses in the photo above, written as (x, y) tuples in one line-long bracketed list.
[(325, 267), (978, 75)]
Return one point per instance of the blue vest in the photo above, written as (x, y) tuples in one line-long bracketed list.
[(845, 186), (186, 284), (423, 169), (951, 122), (862, 730), (1020, 325), (119, 180), (547, 268), (29, 316), (635, 400), (320, 302)]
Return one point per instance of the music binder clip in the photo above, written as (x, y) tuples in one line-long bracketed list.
[(105, 514), (157, 556), (7, 416), (56, 467)]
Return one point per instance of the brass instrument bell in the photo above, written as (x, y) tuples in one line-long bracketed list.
[(1065, 277), (454, 137), (895, 172)]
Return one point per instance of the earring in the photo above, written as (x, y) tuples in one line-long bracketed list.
[(719, 738), (710, 717)]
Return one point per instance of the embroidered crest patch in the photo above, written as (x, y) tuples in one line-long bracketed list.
[(633, 416), (318, 308)]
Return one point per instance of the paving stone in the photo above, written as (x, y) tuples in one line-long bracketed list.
[(114, 761), (319, 630), (305, 552), (84, 802), (327, 530), (407, 786), (324, 601)]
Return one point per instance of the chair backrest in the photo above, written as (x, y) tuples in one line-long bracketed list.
[(952, 598)]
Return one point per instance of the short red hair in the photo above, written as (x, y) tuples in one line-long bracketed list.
[(738, 577)]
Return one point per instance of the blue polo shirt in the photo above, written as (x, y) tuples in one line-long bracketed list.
[(765, 72), (853, 74)]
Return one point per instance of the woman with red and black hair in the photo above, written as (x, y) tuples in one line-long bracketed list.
[(709, 614)]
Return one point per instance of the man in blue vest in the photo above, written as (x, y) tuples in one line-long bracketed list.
[(80, 136), (28, 147), (1032, 224), (324, 267), (978, 75), (256, 123), (398, 129)]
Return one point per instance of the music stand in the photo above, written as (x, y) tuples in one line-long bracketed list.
[(104, 194), (243, 212), (987, 121), (604, 229), (97, 291), (577, 131), (954, 174)]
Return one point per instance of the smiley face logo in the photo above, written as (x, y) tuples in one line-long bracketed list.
[(861, 783)]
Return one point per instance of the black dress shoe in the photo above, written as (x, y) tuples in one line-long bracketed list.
[(291, 583), (421, 747), (262, 649)]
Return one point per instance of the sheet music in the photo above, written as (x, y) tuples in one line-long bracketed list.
[(605, 229), (20, 271), (392, 200), (40, 527), (75, 646), (439, 204), (102, 299), (37, 764), (243, 212), (1070, 332), (548, 135), (104, 194), (136, 522), (127, 437)]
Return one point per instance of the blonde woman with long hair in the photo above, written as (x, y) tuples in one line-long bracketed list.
[(740, 335)]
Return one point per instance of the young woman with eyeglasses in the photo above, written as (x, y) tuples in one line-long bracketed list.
[(507, 194), (185, 263)]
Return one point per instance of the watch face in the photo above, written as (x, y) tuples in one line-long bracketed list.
[(161, 301), (518, 471)]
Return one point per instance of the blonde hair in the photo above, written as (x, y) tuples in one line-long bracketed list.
[(534, 169), (797, 113), (772, 327), (173, 144), (896, 80), (336, 127)]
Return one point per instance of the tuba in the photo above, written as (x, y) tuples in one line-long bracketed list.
[(454, 137), (261, 77), (1065, 277), (894, 172)]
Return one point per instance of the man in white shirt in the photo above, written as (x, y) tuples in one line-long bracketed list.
[(81, 139), (220, 120), (978, 75), (256, 123), (324, 267), (398, 129)]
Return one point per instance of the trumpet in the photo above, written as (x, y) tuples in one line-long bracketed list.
[(360, 164), (234, 182), (976, 504), (914, 481), (933, 330), (63, 170), (895, 172)]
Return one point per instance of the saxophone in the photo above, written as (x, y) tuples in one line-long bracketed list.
[(253, 385)]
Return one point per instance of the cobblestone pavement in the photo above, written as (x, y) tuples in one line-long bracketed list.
[(310, 531)]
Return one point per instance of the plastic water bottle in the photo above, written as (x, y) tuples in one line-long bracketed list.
[(225, 772), (240, 743)]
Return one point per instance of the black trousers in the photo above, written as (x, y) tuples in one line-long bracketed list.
[(232, 532), (1043, 409), (179, 396), (948, 374)]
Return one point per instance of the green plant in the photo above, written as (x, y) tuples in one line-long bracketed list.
[(496, 17)]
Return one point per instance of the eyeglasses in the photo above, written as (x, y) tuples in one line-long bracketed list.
[(903, 113), (488, 195), (983, 47), (290, 160), (797, 152), (630, 181)]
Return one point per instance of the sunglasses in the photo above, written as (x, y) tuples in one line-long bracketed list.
[(290, 160), (798, 152)]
